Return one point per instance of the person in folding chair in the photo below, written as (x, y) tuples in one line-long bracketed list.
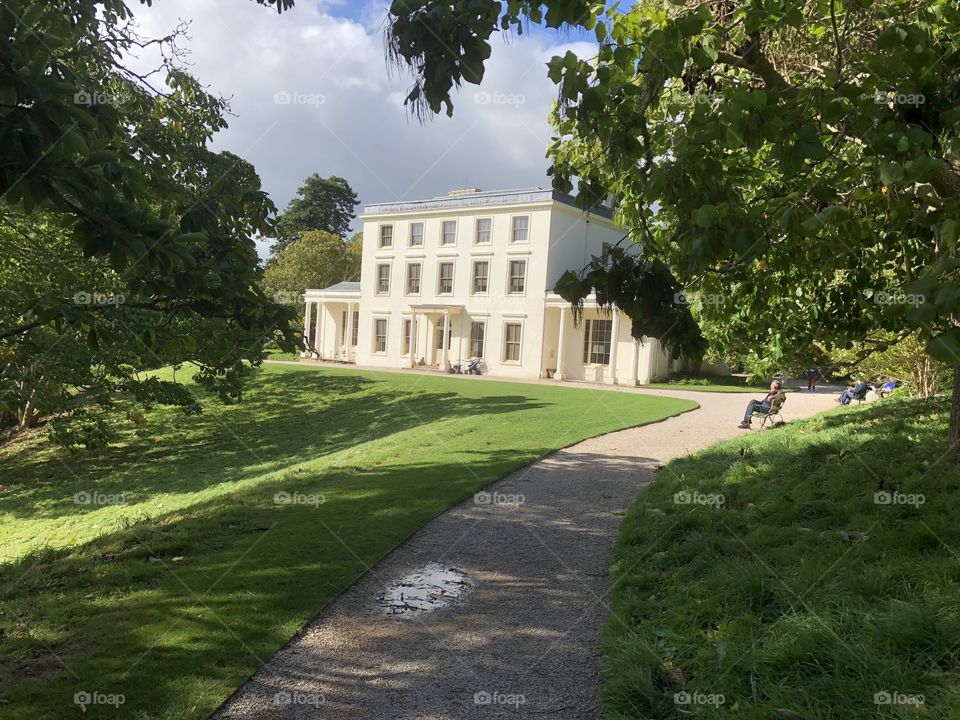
[(774, 399)]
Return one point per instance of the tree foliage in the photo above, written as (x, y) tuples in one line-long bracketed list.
[(317, 259), (129, 242), (796, 159), (323, 204)]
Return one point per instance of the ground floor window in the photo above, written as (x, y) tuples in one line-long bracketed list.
[(597, 335), (512, 334), (380, 335), (405, 341), (478, 331)]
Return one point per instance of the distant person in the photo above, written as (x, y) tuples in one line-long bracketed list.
[(776, 395), (852, 393), (888, 387), (812, 376)]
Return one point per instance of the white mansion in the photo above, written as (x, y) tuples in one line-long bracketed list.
[(470, 275)]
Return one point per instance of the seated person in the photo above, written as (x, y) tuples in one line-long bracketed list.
[(776, 395), (888, 387), (852, 393)]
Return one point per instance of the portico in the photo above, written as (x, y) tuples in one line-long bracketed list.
[(433, 327), (600, 348), (331, 322)]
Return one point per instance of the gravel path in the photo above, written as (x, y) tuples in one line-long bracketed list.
[(522, 638)]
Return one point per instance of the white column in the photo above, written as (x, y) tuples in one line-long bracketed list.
[(413, 339), (349, 339), (561, 344), (635, 365), (445, 341), (318, 331), (614, 336), (306, 328)]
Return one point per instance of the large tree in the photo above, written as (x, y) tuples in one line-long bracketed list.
[(795, 161), (317, 259), (107, 184), (324, 204)]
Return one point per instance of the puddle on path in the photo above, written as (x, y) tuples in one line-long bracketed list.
[(428, 588)]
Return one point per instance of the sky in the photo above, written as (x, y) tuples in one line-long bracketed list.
[(311, 92)]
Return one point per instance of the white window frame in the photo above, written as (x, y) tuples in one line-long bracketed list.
[(453, 273), (380, 236), (410, 242), (483, 339), (379, 289), (476, 230), (406, 287), (473, 278), (513, 229), (443, 233), (506, 342), (377, 335), (589, 340), (510, 290)]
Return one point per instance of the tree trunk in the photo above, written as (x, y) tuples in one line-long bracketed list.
[(954, 436)]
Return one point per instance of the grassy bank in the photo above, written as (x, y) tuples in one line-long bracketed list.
[(170, 568), (807, 572)]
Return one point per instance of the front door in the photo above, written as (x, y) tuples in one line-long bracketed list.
[(438, 341)]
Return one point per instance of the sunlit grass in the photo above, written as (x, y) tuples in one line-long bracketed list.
[(827, 576), (175, 596)]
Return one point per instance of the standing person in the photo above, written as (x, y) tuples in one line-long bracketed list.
[(812, 376), (776, 395)]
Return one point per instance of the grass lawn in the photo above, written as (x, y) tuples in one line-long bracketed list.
[(175, 596), (718, 384), (822, 586)]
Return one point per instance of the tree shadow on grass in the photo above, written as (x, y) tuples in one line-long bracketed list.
[(287, 418), (176, 611)]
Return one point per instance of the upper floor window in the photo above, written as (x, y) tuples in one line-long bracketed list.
[(416, 234), (449, 232), (386, 236), (413, 278), (380, 335), (484, 226), (520, 228), (383, 279), (518, 276), (597, 335), (481, 274), (445, 279)]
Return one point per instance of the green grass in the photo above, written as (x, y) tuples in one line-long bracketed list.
[(732, 384), (174, 597), (799, 596)]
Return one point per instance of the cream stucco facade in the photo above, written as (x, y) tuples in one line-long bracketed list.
[(478, 268)]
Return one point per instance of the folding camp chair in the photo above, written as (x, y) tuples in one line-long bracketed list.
[(772, 414)]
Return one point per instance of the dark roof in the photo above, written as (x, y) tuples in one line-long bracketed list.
[(343, 287)]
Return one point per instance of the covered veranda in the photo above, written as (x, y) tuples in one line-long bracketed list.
[(330, 322), (432, 329)]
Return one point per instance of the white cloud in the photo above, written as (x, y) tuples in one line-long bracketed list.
[(341, 112)]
